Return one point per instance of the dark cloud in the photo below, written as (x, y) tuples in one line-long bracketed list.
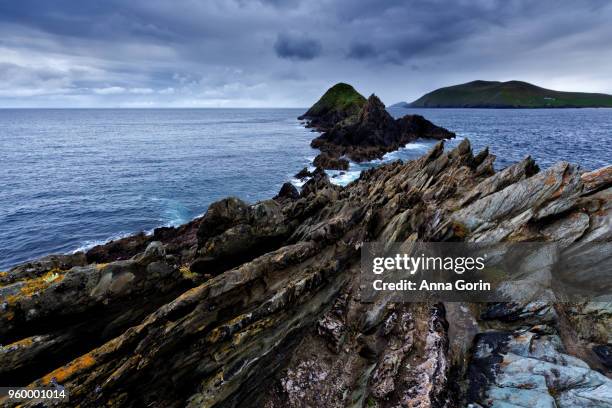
[(362, 51), (230, 52), (297, 47)]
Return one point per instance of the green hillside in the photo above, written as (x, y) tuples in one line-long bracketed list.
[(339, 98), (511, 94)]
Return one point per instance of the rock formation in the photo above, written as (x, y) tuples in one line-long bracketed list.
[(331, 162), (337, 103), (374, 132), (303, 174), (259, 305), (361, 130)]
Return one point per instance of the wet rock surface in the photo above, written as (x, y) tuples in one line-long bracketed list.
[(327, 161), (260, 305)]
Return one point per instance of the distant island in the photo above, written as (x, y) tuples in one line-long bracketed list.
[(510, 94)]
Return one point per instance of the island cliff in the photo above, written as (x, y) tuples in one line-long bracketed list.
[(259, 304)]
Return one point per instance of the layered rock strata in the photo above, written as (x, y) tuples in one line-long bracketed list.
[(260, 305)]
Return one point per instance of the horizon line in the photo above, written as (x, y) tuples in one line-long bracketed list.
[(149, 108)]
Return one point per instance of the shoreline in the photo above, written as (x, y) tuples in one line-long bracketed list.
[(285, 271)]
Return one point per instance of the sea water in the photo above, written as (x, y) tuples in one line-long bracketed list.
[(74, 178)]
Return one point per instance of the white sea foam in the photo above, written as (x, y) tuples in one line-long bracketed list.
[(297, 182), (87, 245), (342, 178), (175, 214), (415, 146)]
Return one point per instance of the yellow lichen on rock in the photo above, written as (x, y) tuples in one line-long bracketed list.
[(63, 373), (34, 286), (186, 272), (23, 343)]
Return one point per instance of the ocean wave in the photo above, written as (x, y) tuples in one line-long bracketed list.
[(415, 146), (297, 182), (174, 212), (342, 178)]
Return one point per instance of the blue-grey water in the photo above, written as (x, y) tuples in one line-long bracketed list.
[(70, 179)]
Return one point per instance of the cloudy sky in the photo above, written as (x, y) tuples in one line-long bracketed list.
[(285, 53)]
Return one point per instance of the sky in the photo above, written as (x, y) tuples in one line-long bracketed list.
[(286, 53)]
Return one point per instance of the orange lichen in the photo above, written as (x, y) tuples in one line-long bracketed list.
[(65, 372), (39, 284), (460, 229), (101, 265), (21, 343)]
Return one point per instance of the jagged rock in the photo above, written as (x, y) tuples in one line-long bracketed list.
[(222, 215), (50, 319), (303, 174), (332, 326), (273, 315), (374, 132), (41, 266), (399, 328), (529, 370), (241, 233), (604, 352), (287, 192), (122, 248), (325, 161)]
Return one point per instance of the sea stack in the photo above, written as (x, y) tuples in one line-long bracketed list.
[(367, 134)]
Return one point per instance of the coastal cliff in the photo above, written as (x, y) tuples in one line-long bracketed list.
[(260, 304)]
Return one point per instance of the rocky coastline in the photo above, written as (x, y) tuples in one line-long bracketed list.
[(259, 304)]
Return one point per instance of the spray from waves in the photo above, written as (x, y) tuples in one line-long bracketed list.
[(409, 151), (297, 183), (343, 178), (174, 212)]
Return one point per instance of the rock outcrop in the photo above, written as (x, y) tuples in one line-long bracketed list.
[(373, 132), (337, 103), (260, 305), (326, 161)]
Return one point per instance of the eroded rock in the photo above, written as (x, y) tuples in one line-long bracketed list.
[(272, 314)]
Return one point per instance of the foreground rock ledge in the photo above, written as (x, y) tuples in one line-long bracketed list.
[(259, 305)]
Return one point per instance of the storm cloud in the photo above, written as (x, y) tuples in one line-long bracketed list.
[(296, 47), (286, 53)]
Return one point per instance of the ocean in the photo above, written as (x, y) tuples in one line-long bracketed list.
[(74, 178)]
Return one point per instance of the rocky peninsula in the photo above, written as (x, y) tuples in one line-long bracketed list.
[(260, 304), (360, 130)]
